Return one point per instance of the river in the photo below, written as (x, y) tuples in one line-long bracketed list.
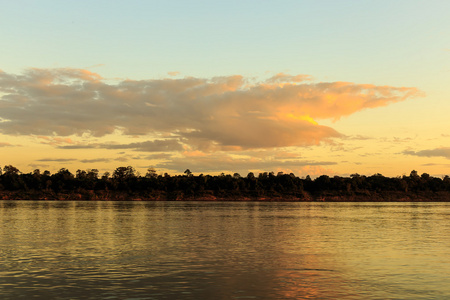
[(224, 250)]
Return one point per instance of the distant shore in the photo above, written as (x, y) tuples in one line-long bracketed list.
[(386, 196)]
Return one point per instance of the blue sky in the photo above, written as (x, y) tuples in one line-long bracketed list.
[(337, 39)]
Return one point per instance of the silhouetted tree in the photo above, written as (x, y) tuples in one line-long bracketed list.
[(188, 172), (151, 173)]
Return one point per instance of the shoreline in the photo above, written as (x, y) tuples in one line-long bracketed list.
[(385, 196)]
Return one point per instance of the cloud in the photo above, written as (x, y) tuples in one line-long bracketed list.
[(57, 159), (438, 152), (358, 137), (54, 140), (5, 145), (79, 146), (95, 160), (122, 159), (219, 113), (286, 78), (85, 161), (147, 146), (37, 166), (227, 163), (433, 164)]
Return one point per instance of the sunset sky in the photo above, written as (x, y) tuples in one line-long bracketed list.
[(309, 87)]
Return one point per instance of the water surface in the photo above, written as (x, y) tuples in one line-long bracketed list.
[(224, 250)]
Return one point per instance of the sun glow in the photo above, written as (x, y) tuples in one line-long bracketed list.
[(306, 118)]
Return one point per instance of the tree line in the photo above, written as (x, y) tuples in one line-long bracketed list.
[(126, 184)]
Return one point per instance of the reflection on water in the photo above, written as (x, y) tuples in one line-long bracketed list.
[(224, 250)]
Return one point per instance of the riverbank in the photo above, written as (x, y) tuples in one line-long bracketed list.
[(384, 196)]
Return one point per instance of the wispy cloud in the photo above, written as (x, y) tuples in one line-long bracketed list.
[(95, 160), (438, 152), (219, 163), (147, 146), (433, 164), (54, 141), (220, 113), (79, 146), (37, 166), (57, 159), (286, 78)]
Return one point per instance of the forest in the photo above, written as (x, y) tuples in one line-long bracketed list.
[(127, 184)]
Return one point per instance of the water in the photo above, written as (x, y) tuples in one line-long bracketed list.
[(224, 250)]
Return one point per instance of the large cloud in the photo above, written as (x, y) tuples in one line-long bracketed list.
[(220, 113)]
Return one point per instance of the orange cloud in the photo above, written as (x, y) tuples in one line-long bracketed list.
[(55, 140), (217, 114)]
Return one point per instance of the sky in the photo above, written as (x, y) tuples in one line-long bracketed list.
[(304, 87)]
